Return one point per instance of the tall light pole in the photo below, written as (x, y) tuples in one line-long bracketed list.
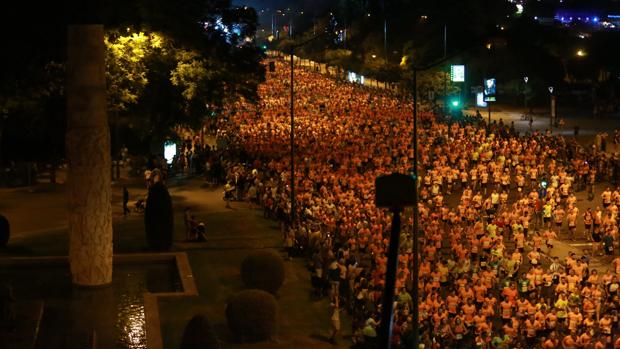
[(525, 80), (385, 50), (292, 112), (445, 77), (552, 107), (292, 139), (416, 262)]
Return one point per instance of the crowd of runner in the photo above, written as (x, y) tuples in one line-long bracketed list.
[(492, 206)]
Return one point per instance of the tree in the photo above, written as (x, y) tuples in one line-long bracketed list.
[(125, 66), (212, 28), (197, 36), (88, 152)]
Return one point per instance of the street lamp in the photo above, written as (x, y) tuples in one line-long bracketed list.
[(392, 254), (292, 110), (552, 105), (525, 80)]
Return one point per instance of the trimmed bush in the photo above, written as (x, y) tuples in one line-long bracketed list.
[(263, 270), (252, 315), (5, 231), (158, 218), (199, 334)]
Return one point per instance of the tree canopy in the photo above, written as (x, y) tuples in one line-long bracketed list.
[(167, 63)]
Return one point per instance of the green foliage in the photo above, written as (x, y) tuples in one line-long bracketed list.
[(199, 334), (158, 218), (160, 84), (126, 66), (263, 270), (5, 231), (339, 57), (141, 62), (285, 45), (252, 315)]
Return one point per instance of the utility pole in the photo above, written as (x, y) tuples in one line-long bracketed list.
[(292, 112), (445, 76), (385, 50), (292, 140), (416, 229), (489, 108), (416, 261)]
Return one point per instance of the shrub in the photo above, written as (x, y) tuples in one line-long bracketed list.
[(264, 271), (158, 218), (252, 315), (5, 231), (199, 334)]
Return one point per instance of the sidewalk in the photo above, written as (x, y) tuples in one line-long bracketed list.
[(38, 221)]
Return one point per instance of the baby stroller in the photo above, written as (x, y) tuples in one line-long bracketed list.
[(140, 205), (199, 233)]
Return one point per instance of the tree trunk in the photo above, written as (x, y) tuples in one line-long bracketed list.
[(88, 152)]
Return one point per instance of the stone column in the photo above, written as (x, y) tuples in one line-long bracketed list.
[(88, 153)]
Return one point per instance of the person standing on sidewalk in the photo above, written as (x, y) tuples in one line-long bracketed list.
[(126, 210), (335, 319), (187, 220)]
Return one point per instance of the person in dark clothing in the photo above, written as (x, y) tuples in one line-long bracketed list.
[(608, 243), (125, 201), (7, 308)]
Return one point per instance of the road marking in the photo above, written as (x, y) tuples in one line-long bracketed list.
[(581, 244)]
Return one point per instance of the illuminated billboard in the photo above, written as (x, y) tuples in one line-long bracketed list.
[(457, 73), (490, 88)]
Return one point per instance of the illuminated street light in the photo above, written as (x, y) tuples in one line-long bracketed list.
[(374, 56), (581, 53)]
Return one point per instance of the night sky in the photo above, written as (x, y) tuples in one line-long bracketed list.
[(306, 5)]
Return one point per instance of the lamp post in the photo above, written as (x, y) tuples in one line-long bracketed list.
[(292, 140), (445, 77), (395, 191), (274, 22), (525, 80), (552, 106), (390, 277), (416, 262), (292, 112)]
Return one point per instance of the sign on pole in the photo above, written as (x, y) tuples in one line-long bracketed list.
[(480, 100), (490, 88), (457, 73)]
